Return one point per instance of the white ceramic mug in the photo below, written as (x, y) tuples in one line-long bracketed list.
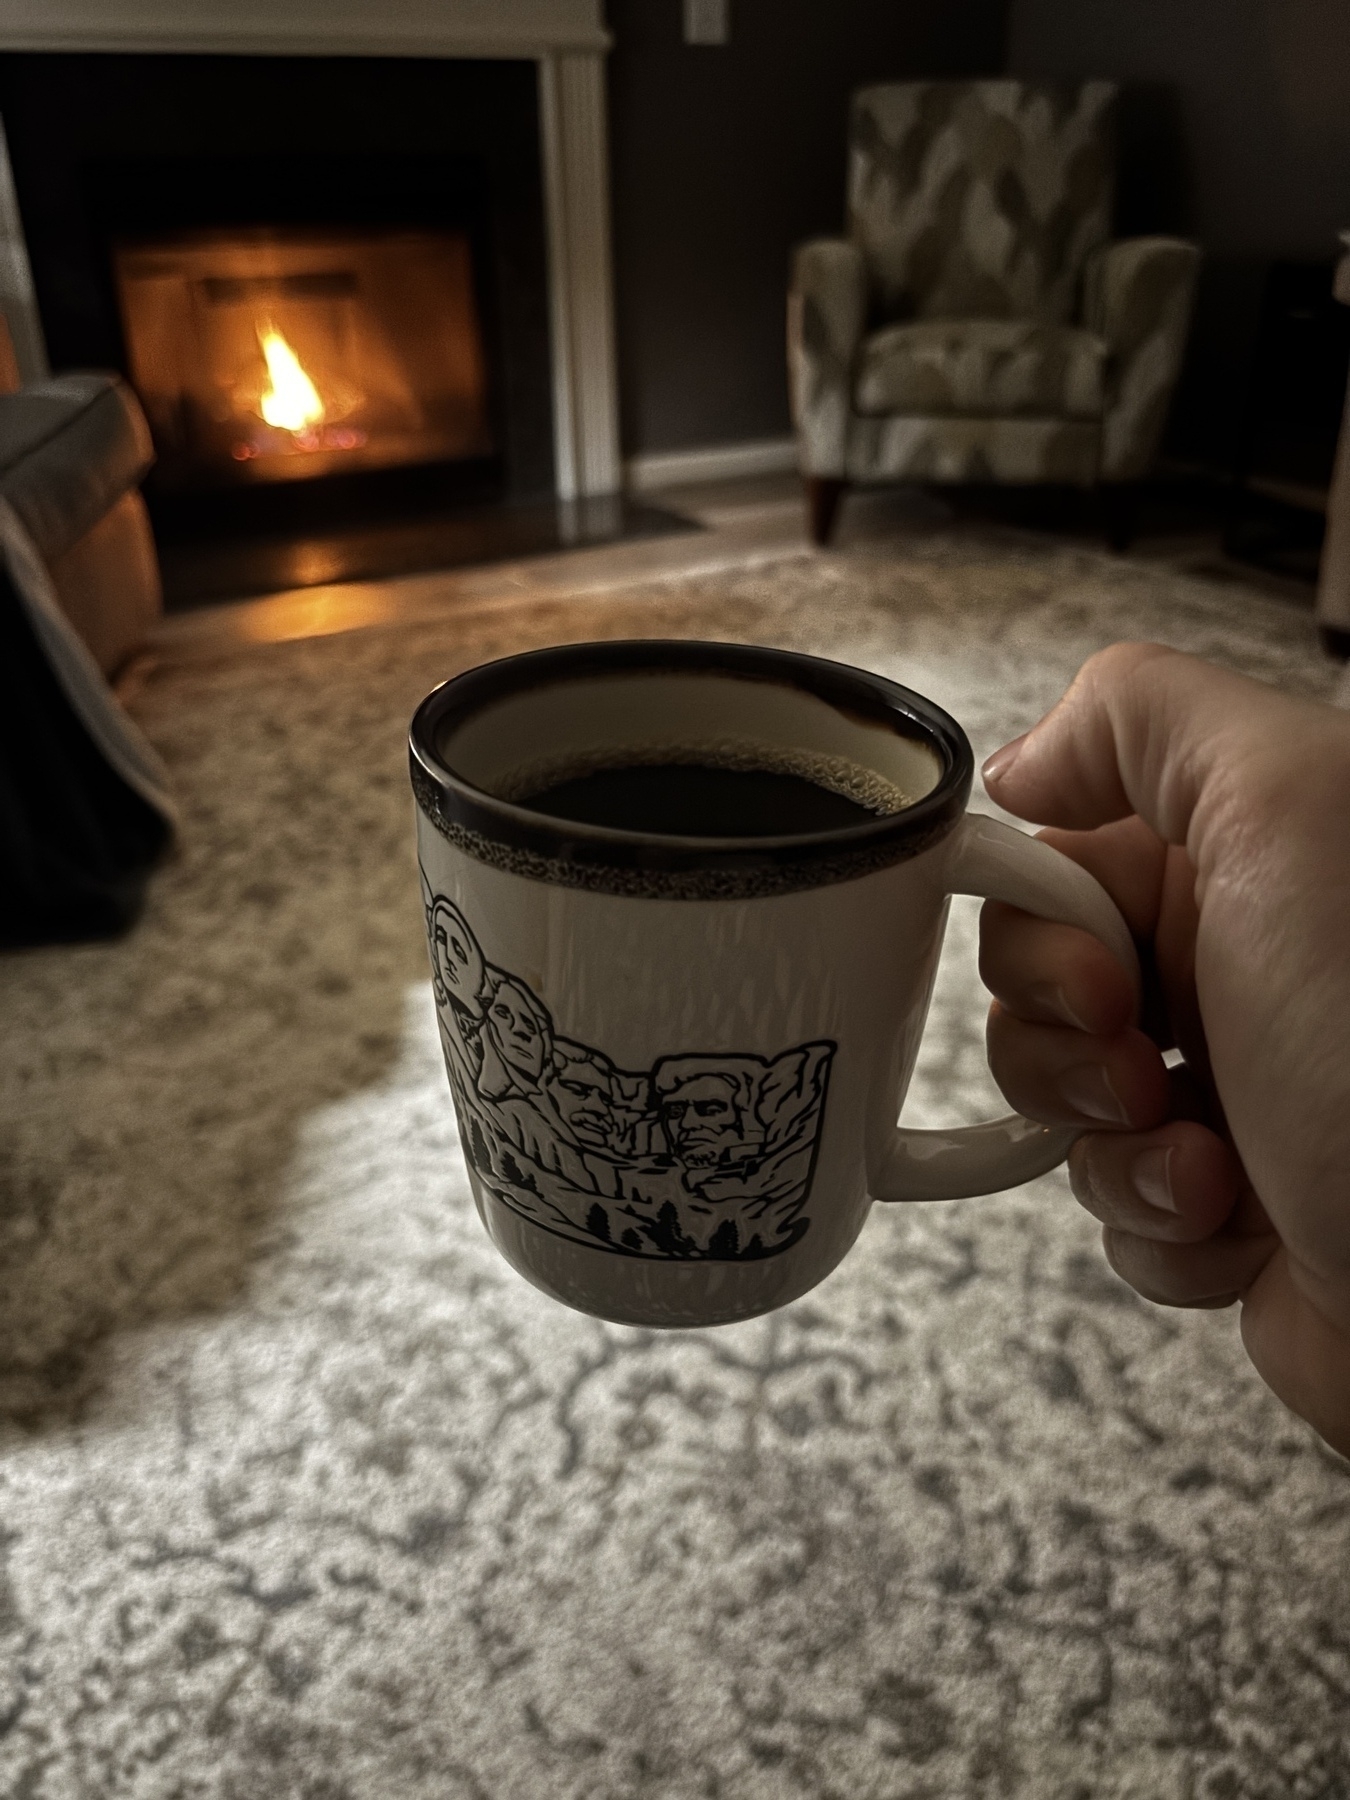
[(678, 1062)]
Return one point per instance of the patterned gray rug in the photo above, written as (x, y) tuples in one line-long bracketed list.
[(303, 1493)]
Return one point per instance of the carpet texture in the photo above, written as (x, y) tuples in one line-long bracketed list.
[(304, 1493)]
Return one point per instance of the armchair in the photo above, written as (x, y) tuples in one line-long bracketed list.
[(976, 324)]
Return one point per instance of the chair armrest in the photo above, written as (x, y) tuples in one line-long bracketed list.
[(1138, 295), (827, 306)]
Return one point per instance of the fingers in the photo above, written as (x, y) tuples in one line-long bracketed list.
[(1214, 1273), (1052, 974), (1171, 1203), (1129, 859), (1064, 1076), (1141, 730), (1175, 1185)]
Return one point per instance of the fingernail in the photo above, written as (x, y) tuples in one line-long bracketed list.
[(1002, 760), (1087, 1088), (1152, 1177), (1052, 997)]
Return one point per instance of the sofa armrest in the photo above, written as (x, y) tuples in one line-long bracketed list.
[(107, 584), (1138, 296), (827, 306)]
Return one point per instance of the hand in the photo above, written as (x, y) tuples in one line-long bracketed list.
[(1216, 812)]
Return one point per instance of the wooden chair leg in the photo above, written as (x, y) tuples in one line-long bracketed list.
[(823, 494), (1120, 514)]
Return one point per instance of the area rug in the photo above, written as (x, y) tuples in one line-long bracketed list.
[(304, 1493)]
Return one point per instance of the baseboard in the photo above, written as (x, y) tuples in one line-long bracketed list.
[(712, 462)]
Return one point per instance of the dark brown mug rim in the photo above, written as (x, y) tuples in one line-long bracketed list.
[(564, 851)]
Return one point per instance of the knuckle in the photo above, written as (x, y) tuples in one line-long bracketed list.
[(1115, 1247), (1166, 1274), (1143, 1265), (1001, 937), (1083, 1178), (1000, 1031), (1117, 662)]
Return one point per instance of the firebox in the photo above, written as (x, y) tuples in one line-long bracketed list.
[(278, 355)]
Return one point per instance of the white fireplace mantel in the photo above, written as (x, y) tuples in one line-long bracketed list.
[(307, 27), (566, 38)]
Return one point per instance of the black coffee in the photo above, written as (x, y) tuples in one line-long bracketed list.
[(698, 800)]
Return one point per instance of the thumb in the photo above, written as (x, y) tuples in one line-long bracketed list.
[(1144, 730)]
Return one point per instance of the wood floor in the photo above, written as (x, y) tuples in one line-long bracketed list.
[(742, 522)]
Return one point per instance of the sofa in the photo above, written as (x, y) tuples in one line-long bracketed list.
[(74, 450), (86, 811), (976, 323)]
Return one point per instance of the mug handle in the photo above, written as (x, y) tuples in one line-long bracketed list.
[(996, 862)]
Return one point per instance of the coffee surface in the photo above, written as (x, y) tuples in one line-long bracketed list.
[(688, 799)]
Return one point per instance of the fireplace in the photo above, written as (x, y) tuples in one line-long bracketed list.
[(265, 356), (355, 292)]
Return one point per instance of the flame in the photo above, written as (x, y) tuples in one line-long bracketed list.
[(290, 401)]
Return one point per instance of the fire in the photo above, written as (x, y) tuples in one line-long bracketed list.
[(290, 401)]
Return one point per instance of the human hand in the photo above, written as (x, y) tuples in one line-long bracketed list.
[(1216, 812)]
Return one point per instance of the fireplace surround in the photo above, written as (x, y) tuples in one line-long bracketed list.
[(461, 45), (173, 225)]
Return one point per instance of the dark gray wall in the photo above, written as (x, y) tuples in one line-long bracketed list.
[(1236, 130), (723, 159)]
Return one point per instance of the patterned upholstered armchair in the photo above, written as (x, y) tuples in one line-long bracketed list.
[(976, 324)]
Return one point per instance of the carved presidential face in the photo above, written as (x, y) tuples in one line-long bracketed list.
[(582, 1091), (703, 1123), (518, 1030), (459, 961)]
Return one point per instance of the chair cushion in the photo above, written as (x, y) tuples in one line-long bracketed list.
[(70, 447), (981, 368)]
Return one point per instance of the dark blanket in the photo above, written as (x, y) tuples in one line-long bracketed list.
[(78, 838)]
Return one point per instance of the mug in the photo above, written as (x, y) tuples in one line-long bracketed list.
[(678, 1062)]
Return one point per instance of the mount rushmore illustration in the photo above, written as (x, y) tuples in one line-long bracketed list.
[(698, 1157)]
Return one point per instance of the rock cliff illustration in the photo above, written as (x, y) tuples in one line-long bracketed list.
[(699, 1157)]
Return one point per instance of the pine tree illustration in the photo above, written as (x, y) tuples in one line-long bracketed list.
[(517, 1176), (479, 1154), (724, 1243), (668, 1234)]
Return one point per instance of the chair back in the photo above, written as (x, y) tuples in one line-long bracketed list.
[(980, 199)]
